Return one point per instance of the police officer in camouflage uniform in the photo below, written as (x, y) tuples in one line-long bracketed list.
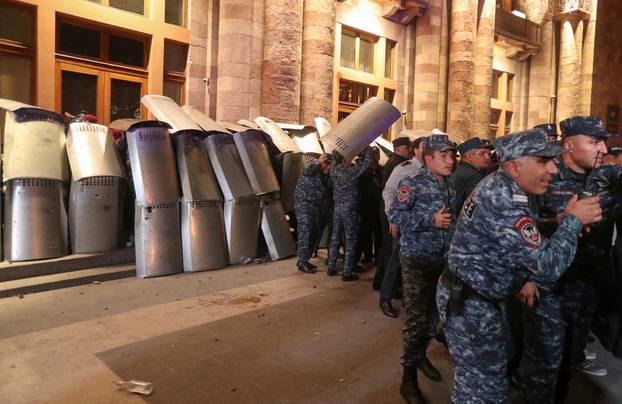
[(422, 212), (496, 249), (345, 216), (556, 331), (309, 196)]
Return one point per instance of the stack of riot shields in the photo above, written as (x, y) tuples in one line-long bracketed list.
[(34, 171), (97, 186), (156, 222), (202, 223), (256, 161), (203, 230), (241, 211)]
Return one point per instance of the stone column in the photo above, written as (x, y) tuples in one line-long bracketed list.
[(540, 78), (318, 48), (587, 61), (441, 116), (234, 59), (427, 66), (282, 58), (568, 85), (197, 54), (211, 53), (461, 68), (483, 69)]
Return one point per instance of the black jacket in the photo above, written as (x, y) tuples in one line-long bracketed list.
[(464, 180)]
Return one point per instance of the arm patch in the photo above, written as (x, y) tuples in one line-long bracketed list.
[(529, 231), (403, 193), (469, 208)]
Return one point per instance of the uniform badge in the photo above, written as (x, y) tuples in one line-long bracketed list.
[(469, 208), (529, 231), (403, 192)]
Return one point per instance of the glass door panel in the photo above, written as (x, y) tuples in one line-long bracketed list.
[(79, 93), (124, 99)]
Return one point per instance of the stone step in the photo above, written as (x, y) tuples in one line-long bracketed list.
[(66, 279), (20, 270)]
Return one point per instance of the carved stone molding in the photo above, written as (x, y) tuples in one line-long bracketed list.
[(403, 11)]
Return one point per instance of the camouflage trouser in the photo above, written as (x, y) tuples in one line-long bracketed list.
[(578, 304), (477, 344), (543, 340), (348, 221), (419, 289), (307, 233)]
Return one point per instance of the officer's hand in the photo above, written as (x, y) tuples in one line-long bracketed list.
[(442, 219), (587, 210), (529, 294), (393, 230)]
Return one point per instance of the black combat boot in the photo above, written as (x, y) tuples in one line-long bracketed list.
[(409, 389)]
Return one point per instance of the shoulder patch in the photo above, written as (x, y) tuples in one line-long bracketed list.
[(469, 208), (405, 163), (529, 231), (403, 192)]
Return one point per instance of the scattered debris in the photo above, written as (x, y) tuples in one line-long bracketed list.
[(247, 261), (216, 340), (105, 308), (343, 379), (20, 296), (316, 332), (261, 315), (233, 389), (314, 286), (362, 321), (96, 282), (135, 386), (260, 260)]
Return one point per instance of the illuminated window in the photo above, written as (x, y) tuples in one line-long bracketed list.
[(175, 56), (16, 52), (357, 51), (502, 108), (367, 68), (389, 60), (174, 12)]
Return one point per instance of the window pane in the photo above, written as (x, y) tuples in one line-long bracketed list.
[(348, 49), (15, 78), (508, 121), (355, 93), (495, 115), (510, 86), (124, 99), (79, 40), (79, 93), (495, 84), (389, 95), (366, 55), (174, 57), (127, 51), (174, 12), (389, 56), (172, 90), (135, 6), (15, 24)]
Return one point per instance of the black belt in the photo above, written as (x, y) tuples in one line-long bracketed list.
[(467, 291)]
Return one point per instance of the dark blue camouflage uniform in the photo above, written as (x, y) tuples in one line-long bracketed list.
[(345, 213), (496, 248), (309, 197), (423, 247), (559, 327)]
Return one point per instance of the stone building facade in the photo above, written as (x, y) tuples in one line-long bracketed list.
[(470, 67)]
